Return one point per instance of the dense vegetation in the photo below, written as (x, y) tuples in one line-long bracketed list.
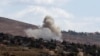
[(26, 46)]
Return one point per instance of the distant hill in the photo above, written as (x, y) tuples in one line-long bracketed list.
[(82, 37), (17, 28), (14, 27)]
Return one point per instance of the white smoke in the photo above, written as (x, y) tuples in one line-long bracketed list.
[(48, 31)]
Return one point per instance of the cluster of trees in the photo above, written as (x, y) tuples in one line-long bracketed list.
[(62, 48)]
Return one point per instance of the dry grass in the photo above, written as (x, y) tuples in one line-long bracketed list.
[(19, 51)]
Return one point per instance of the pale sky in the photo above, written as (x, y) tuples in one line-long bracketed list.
[(77, 15)]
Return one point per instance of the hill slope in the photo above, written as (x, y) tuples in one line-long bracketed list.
[(17, 28), (83, 38), (14, 27)]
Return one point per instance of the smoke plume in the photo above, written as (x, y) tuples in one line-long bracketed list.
[(49, 23), (48, 30)]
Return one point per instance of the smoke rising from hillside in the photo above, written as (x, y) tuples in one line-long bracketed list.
[(48, 30), (49, 23)]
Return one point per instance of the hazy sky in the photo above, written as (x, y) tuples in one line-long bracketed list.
[(78, 15)]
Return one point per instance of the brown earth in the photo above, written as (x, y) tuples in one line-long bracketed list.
[(14, 27)]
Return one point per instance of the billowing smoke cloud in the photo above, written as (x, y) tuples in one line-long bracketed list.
[(48, 30), (49, 23)]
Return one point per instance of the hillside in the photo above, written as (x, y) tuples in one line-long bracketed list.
[(82, 37), (17, 28), (23, 46), (14, 27), (74, 42)]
